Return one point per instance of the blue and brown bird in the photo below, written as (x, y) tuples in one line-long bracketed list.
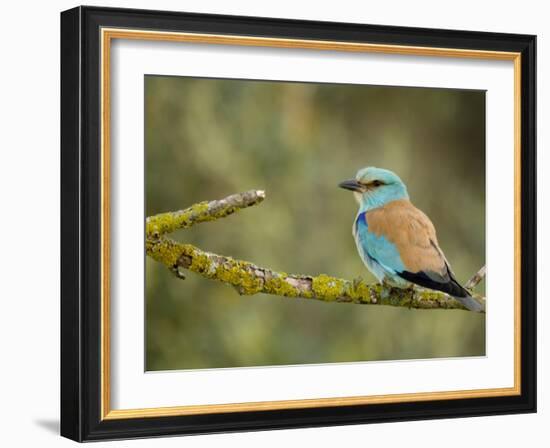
[(397, 241)]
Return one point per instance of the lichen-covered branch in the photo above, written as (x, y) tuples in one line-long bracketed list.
[(164, 223), (249, 279)]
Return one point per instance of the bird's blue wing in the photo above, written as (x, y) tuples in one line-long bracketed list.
[(377, 248)]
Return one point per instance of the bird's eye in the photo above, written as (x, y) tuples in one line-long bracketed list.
[(376, 183)]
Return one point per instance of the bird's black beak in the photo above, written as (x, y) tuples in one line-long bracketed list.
[(352, 185)]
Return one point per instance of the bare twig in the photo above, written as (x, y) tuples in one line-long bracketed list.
[(248, 278), (476, 278)]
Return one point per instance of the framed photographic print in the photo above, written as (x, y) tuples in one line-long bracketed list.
[(273, 223)]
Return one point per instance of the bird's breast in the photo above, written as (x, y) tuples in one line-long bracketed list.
[(360, 223)]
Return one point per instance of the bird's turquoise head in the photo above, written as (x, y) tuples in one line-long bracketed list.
[(375, 187)]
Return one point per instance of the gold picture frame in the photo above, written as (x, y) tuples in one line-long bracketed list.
[(118, 27)]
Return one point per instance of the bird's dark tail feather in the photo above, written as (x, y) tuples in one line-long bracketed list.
[(463, 295), (469, 302), (451, 287)]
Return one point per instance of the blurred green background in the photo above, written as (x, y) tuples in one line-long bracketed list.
[(208, 138)]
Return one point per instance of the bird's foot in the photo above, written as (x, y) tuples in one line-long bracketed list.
[(413, 295), (356, 282), (416, 294), (386, 284)]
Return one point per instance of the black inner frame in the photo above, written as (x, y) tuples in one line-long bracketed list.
[(81, 224)]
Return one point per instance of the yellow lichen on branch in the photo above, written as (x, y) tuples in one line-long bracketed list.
[(164, 223), (249, 279)]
